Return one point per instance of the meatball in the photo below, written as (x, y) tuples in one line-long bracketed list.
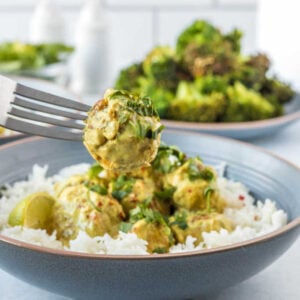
[(122, 131), (195, 187), (186, 223), (80, 207), (157, 234), (138, 187)]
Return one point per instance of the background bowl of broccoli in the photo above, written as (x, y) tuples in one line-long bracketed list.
[(44, 60), (206, 84)]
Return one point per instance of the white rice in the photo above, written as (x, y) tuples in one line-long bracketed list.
[(251, 219)]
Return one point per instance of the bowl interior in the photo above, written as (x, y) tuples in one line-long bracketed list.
[(265, 175), (190, 275)]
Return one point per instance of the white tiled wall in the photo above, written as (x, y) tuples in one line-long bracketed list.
[(137, 25)]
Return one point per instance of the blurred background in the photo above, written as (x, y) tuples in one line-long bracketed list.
[(126, 30)]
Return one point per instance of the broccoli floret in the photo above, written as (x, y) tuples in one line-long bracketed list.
[(190, 105), (161, 67), (211, 83), (246, 105), (53, 53), (128, 78), (277, 91), (200, 33), (251, 71), (206, 72), (160, 97), (234, 38), (203, 49), (18, 56)]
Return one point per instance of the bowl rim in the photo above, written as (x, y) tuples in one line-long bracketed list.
[(13, 134), (248, 243), (232, 126)]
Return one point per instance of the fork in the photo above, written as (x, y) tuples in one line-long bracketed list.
[(36, 112)]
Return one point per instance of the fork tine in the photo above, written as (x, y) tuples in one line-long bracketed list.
[(51, 132), (34, 94), (46, 109), (30, 116)]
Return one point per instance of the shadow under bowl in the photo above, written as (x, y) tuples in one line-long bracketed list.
[(161, 276)]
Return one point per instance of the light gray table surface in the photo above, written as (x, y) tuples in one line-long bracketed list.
[(280, 281)]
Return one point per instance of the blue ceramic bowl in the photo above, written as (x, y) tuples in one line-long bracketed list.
[(163, 276)]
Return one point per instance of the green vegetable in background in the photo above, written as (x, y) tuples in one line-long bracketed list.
[(246, 105), (206, 78), (129, 78), (17, 56), (191, 105), (160, 65), (204, 50)]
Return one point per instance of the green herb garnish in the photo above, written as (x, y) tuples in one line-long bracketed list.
[(122, 187), (160, 250), (94, 170), (168, 158), (165, 194), (180, 220), (143, 106), (142, 211), (207, 195), (125, 227), (99, 189), (194, 172), (145, 131)]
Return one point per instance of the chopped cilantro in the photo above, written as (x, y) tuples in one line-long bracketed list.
[(145, 131), (94, 170), (122, 187), (141, 105), (160, 250), (168, 158), (123, 117), (152, 134), (125, 227), (194, 172), (99, 189), (165, 194), (180, 220), (143, 212), (207, 194), (141, 129)]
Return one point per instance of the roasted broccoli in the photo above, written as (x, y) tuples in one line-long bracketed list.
[(234, 38), (203, 49), (160, 66), (190, 105), (200, 33), (128, 78), (206, 78), (211, 83), (251, 71), (18, 56), (160, 96), (246, 105), (276, 90)]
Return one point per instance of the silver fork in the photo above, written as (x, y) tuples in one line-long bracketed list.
[(35, 112)]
